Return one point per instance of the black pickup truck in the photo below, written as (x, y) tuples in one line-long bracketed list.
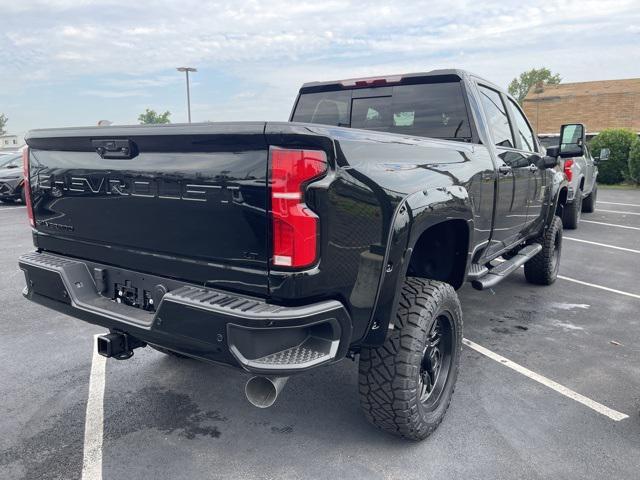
[(280, 247)]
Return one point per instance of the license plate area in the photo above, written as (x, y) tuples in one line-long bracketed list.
[(129, 294)]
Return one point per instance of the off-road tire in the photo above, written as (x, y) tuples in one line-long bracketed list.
[(543, 268), (571, 213), (589, 203), (171, 353), (390, 374)]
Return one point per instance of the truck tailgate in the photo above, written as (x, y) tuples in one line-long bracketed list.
[(187, 201)]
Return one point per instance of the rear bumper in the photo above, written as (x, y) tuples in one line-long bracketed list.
[(203, 323)]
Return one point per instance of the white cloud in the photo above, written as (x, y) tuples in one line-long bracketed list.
[(80, 33), (151, 36), (272, 46), (104, 93)]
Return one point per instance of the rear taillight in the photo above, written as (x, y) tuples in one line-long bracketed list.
[(26, 188), (568, 163), (294, 225)]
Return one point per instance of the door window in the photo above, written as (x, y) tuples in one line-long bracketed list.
[(497, 117), (523, 130)]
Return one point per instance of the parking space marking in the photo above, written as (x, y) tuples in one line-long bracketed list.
[(613, 290), (6, 209), (567, 392), (94, 418), (610, 224), (616, 203), (616, 211), (601, 244)]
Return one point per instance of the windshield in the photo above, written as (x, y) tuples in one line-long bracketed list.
[(435, 110)]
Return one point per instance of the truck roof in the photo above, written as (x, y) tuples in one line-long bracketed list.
[(453, 74)]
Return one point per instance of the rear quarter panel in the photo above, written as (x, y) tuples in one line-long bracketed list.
[(381, 192)]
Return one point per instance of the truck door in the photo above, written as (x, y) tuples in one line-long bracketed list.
[(513, 173), (529, 150), (588, 174)]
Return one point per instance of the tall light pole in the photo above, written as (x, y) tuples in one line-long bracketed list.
[(186, 70)]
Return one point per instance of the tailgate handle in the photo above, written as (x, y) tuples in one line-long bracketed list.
[(115, 149)]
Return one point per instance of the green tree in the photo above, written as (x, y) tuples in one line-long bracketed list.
[(618, 141), (519, 87), (151, 116), (634, 161), (3, 123)]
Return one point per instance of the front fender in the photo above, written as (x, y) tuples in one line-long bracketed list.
[(415, 214)]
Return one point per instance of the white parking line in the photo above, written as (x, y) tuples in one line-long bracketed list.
[(612, 290), (616, 211), (567, 392), (601, 244), (610, 224), (6, 209), (623, 204), (94, 418)]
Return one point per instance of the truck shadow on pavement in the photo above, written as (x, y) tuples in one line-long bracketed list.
[(191, 399)]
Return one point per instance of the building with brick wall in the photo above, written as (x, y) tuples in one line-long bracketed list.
[(599, 105)]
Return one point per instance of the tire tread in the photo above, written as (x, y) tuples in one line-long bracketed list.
[(539, 269), (388, 374)]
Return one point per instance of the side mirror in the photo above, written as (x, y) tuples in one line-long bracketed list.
[(550, 160), (604, 155), (572, 140), (553, 151)]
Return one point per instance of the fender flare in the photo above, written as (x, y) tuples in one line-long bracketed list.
[(414, 215), (559, 185)]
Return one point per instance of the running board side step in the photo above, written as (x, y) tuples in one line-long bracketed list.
[(498, 273)]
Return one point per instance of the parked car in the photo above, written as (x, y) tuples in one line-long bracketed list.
[(279, 247), (582, 174), (11, 178)]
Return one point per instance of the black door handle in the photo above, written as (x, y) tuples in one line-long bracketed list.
[(504, 169)]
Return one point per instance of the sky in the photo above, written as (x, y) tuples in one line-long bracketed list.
[(75, 62)]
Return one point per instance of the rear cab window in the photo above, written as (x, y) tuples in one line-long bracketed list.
[(436, 110)]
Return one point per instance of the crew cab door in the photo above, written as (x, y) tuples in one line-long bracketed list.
[(529, 150), (512, 196), (589, 174)]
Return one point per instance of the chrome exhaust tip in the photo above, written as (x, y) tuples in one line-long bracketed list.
[(262, 392)]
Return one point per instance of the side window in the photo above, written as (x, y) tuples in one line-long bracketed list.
[(497, 117), (522, 129)]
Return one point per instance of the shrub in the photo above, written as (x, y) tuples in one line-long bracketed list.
[(634, 162), (618, 141)]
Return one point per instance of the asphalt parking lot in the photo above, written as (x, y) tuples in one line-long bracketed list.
[(171, 418)]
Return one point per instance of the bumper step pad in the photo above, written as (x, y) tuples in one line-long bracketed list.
[(313, 351)]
